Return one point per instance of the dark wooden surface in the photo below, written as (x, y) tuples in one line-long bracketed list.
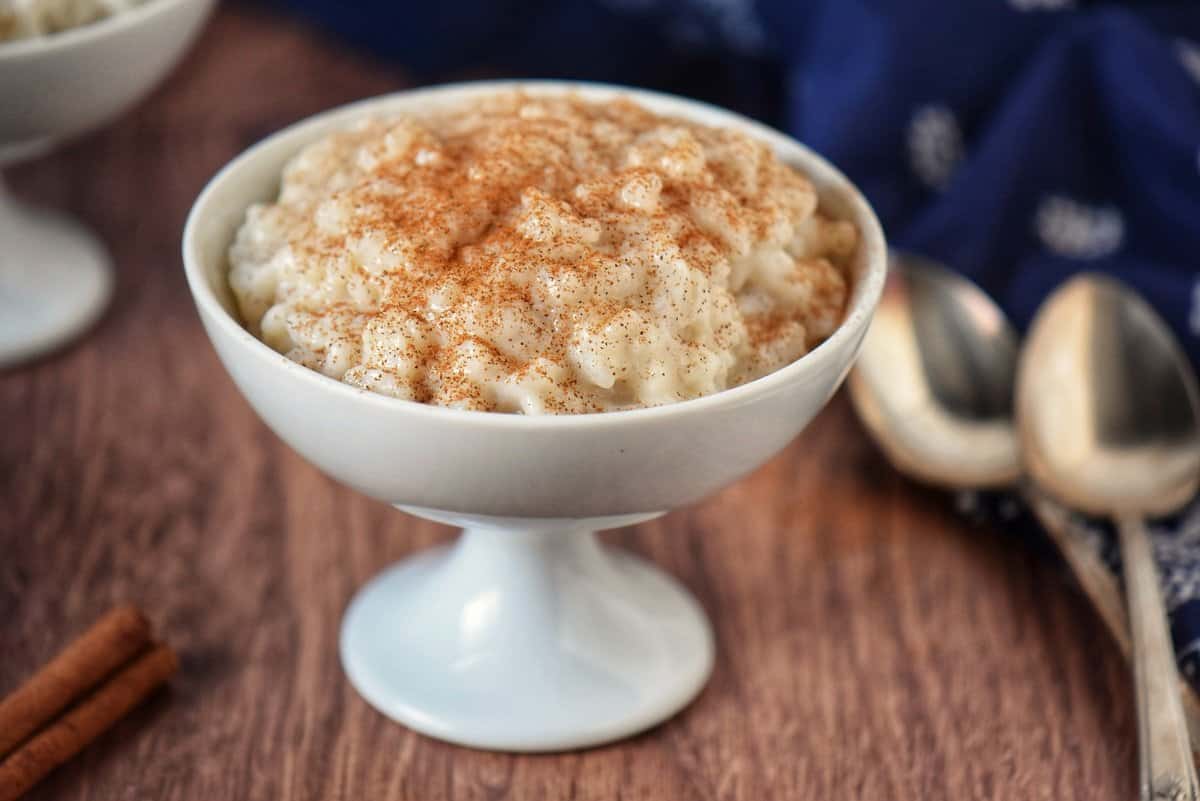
[(871, 645)]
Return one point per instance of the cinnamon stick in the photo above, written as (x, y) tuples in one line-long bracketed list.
[(68, 735), (79, 667)]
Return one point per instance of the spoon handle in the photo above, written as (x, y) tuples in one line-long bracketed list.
[(1167, 770)]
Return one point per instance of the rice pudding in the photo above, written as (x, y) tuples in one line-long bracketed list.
[(26, 19), (541, 255)]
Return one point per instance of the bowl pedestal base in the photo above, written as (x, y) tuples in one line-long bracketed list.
[(55, 280), (526, 636)]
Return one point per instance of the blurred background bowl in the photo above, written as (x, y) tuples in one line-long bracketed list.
[(55, 86), (56, 278)]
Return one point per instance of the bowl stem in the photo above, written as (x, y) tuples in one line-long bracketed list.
[(55, 280), (521, 640)]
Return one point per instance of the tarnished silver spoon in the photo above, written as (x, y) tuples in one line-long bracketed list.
[(934, 381), (1109, 422)]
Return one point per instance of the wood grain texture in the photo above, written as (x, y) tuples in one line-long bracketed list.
[(871, 645)]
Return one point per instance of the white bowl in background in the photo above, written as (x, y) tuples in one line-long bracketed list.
[(55, 277), (527, 634)]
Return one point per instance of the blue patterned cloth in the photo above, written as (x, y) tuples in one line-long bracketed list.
[(1018, 141), (1176, 550)]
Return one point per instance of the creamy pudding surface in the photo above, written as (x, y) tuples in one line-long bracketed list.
[(26, 19), (541, 255)]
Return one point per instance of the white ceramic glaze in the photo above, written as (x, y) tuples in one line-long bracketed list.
[(527, 635), (55, 278), (526, 640)]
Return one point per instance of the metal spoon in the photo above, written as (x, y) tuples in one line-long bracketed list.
[(934, 381), (1109, 423)]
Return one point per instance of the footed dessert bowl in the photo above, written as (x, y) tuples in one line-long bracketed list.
[(527, 634), (55, 276)]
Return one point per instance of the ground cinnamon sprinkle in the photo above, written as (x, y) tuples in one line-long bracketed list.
[(541, 255)]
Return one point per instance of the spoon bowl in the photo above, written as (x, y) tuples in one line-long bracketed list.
[(934, 382), (1109, 404)]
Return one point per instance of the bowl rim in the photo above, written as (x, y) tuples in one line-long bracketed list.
[(83, 34), (865, 293)]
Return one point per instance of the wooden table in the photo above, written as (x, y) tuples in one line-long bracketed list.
[(870, 644)]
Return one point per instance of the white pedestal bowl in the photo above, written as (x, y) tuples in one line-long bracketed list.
[(55, 277), (526, 635)]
